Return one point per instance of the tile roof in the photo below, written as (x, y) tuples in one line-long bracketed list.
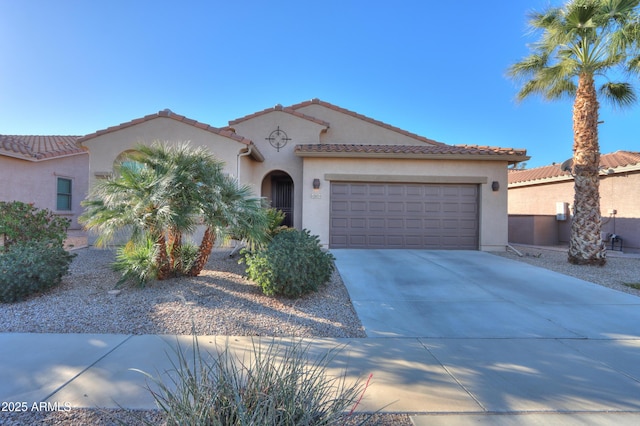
[(538, 173), (170, 114), (288, 110), (618, 161), (317, 101), (411, 151), (38, 148)]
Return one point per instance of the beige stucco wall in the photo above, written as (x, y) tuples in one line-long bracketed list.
[(493, 205), (36, 182), (300, 131), (351, 130), (620, 192), (104, 149)]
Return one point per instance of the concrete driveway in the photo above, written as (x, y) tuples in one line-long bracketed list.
[(471, 294), (543, 347)]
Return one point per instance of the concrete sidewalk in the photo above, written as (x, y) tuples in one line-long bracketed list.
[(437, 381)]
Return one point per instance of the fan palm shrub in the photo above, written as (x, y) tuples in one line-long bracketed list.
[(158, 194)]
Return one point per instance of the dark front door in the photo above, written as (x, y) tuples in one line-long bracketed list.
[(282, 197)]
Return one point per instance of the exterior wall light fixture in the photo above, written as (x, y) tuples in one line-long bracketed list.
[(495, 186), (316, 184)]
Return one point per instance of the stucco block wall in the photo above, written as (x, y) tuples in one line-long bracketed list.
[(493, 228), (36, 182), (536, 230), (258, 129), (619, 192), (350, 130), (104, 149)]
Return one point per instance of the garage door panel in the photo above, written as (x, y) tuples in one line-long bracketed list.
[(395, 215), (339, 188), (359, 189), (395, 190), (414, 207), (377, 223), (377, 206), (358, 223), (339, 223), (377, 190)]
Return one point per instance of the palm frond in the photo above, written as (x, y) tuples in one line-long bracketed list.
[(619, 94)]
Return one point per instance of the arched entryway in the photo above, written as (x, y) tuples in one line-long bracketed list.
[(277, 187)]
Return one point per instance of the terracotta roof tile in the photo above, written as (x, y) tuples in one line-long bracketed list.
[(615, 160), (37, 148), (439, 150), (317, 101), (620, 159), (169, 114), (279, 107), (538, 173)]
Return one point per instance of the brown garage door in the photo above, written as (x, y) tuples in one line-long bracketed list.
[(404, 215)]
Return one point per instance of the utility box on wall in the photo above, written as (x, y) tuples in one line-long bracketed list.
[(562, 210)]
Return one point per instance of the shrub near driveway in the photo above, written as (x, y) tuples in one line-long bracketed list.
[(293, 264)]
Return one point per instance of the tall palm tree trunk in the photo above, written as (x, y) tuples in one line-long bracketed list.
[(585, 245), (208, 240)]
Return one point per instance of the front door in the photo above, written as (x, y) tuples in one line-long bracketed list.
[(282, 197)]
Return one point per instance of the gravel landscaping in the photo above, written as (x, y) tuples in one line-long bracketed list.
[(220, 302), (621, 271)]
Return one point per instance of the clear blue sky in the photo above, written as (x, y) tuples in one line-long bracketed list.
[(72, 67)]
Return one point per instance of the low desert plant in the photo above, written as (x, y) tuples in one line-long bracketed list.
[(136, 262), (31, 267), (279, 384), (633, 285), (291, 265)]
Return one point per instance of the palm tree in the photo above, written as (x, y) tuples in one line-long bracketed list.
[(230, 210), (580, 42), (129, 202), (161, 192)]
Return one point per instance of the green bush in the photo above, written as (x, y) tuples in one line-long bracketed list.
[(23, 222), (32, 258), (30, 267), (136, 262), (279, 384), (292, 264), (187, 255)]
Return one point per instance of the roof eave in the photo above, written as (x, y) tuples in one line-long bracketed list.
[(511, 158), (632, 168), (563, 178), (42, 158)]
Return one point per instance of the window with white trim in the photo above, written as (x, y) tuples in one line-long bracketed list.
[(63, 196)]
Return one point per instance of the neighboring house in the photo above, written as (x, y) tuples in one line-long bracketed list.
[(46, 171), (541, 199), (353, 181)]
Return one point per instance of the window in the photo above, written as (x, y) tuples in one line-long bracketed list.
[(64, 194)]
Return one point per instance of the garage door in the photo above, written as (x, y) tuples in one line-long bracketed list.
[(399, 215)]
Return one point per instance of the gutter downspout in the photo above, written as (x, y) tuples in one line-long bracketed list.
[(239, 244), (242, 154)]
